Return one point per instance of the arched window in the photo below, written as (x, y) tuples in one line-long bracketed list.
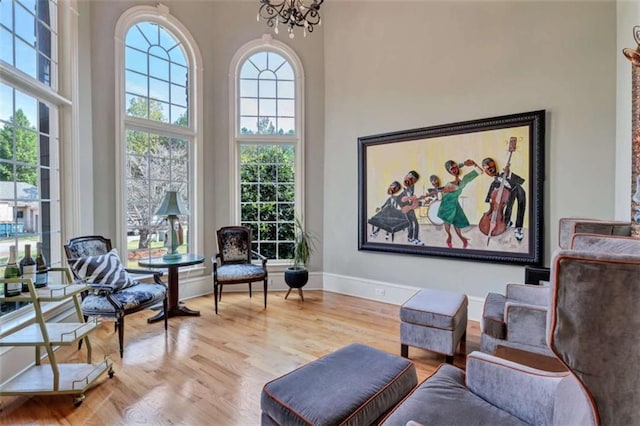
[(267, 144), (159, 127)]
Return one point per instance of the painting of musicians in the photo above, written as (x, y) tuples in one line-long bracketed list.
[(472, 190)]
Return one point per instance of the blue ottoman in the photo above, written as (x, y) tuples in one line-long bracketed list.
[(355, 385), (434, 320)]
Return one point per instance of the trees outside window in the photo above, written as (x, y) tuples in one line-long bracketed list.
[(29, 123), (267, 145), (158, 126)]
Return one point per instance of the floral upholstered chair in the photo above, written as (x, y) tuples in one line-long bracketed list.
[(115, 293), (232, 264)]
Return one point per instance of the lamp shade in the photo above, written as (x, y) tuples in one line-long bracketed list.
[(172, 205)]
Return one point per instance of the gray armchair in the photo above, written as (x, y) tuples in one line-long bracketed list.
[(606, 243), (568, 226), (591, 295), (518, 318)]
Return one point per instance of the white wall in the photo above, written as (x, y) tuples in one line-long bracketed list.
[(393, 66), (370, 71)]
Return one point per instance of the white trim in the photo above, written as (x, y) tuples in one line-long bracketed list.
[(380, 291), (160, 14), (63, 134), (265, 43), (159, 127), (386, 292), (27, 84), (70, 121)]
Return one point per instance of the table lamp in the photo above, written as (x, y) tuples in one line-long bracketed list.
[(171, 207)]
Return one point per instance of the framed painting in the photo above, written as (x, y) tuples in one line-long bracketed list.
[(471, 190)]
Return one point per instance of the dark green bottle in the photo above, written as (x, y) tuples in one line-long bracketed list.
[(42, 271), (12, 271), (27, 267)]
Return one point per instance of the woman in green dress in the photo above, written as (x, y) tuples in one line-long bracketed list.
[(450, 210)]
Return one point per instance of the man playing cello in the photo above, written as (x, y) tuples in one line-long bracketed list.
[(513, 183)]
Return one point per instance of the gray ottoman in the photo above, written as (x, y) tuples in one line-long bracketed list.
[(434, 320), (355, 385)]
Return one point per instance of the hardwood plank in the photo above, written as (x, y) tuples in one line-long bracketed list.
[(211, 369)]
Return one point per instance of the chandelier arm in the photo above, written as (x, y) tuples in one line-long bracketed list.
[(293, 13)]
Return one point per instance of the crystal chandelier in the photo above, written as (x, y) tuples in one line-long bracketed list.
[(292, 13)]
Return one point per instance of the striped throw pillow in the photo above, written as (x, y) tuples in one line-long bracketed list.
[(105, 269)]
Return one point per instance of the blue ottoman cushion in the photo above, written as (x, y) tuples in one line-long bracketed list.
[(437, 309), (355, 385), (443, 399)]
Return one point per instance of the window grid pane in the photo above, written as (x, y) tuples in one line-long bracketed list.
[(154, 165), (267, 95), (267, 197), (156, 73), (26, 178), (29, 38)]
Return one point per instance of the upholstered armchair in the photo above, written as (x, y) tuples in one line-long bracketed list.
[(568, 226), (518, 318), (232, 264), (606, 243), (593, 326), (114, 293)]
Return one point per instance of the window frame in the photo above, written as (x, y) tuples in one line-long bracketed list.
[(160, 15), (62, 98), (265, 44)]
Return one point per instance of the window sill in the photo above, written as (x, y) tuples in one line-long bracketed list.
[(278, 266)]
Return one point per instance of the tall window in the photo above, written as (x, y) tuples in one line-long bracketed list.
[(29, 169), (158, 129), (267, 144)]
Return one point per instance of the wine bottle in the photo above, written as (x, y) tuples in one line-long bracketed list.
[(27, 266), (42, 271), (12, 271)]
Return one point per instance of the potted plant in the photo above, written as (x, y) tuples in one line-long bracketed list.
[(296, 276)]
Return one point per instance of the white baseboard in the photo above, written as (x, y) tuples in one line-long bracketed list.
[(386, 292), (199, 286)]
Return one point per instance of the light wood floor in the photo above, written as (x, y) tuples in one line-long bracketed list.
[(210, 369)]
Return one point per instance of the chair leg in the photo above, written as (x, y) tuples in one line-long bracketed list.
[(265, 293), (166, 313), (120, 325), (250, 290), (404, 350), (463, 344), (215, 296), (220, 292)]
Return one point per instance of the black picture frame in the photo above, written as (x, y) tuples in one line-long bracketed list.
[(384, 218)]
